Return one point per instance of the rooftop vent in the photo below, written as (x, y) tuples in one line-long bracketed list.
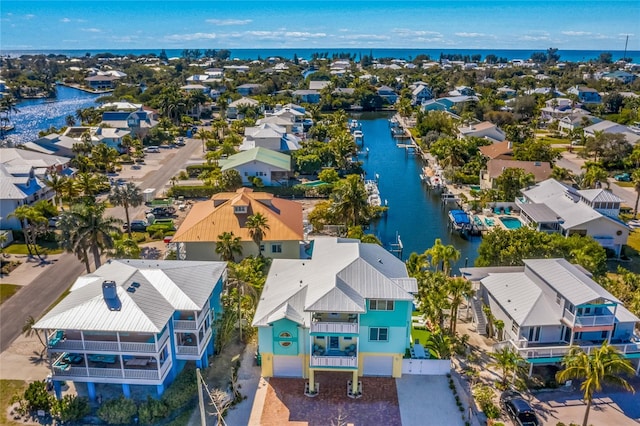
[(110, 295)]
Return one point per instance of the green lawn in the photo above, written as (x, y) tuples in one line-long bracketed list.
[(9, 388), (625, 184), (7, 290), (45, 248), (421, 335)]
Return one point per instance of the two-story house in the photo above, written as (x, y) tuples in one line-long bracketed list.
[(548, 305), (269, 136), (138, 123), (134, 322), (421, 94), (346, 308), (586, 95), (196, 238), (551, 206), (271, 167), (388, 94), (485, 129)]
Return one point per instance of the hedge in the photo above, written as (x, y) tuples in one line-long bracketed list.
[(194, 170), (192, 191)]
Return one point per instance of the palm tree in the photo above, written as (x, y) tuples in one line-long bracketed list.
[(349, 200), (69, 239), (28, 331), (227, 246), (459, 289), (443, 255), (125, 248), (635, 178), (57, 184), (439, 344), (70, 120), (33, 223), (508, 361), (92, 229), (240, 282), (128, 195), (416, 264), (433, 296), (87, 184), (258, 227), (602, 365)]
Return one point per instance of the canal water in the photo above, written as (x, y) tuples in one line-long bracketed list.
[(35, 115), (415, 214)]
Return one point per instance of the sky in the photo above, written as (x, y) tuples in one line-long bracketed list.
[(217, 24)]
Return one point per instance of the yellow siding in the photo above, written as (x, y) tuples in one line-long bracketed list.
[(267, 365)]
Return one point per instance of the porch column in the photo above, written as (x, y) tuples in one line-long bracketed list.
[(91, 390), (638, 368), (57, 387), (354, 382), (571, 339), (312, 384), (609, 335), (160, 390), (530, 369), (126, 390)]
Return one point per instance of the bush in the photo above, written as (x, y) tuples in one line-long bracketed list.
[(160, 227), (139, 237), (192, 191), (71, 408), (37, 397), (195, 170), (157, 235), (182, 391), (484, 396), (119, 411), (152, 410)]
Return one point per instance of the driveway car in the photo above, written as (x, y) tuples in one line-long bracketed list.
[(623, 177), (161, 211), (518, 409), (137, 225)]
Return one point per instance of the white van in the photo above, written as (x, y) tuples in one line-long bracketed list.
[(153, 149)]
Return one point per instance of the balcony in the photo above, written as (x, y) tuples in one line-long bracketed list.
[(76, 341), (190, 346), (187, 322), (560, 350), (151, 373), (334, 361), (587, 321), (338, 324)]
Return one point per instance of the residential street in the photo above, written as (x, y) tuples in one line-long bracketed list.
[(34, 298)]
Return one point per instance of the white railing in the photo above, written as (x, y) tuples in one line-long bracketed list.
[(137, 347), (164, 368), (335, 327), (569, 317), (595, 320), (185, 325), (112, 346), (334, 361), (187, 350), (163, 338), (141, 374), (102, 346), (113, 373), (560, 351), (105, 372)]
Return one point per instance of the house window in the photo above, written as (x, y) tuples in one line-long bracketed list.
[(240, 209), (285, 335), (276, 248), (285, 344), (514, 327), (379, 334), (381, 305), (558, 298)]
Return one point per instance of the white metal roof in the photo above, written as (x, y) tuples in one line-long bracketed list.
[(163, 288), (341, 274)]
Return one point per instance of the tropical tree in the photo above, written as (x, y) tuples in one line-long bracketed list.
[(635, 178), (459, 289), (508, 361), (28, 331), (417, 264), (88, 184), (91, 229), (69, 239), (125, 248), (33, 223), (70, 120), (602, 365), (227, 246), (511, 181), (439, 344), (433, 296), (349, 200), (594, 176), (128, 195), (258, 226), (443, 255), (56, 182)]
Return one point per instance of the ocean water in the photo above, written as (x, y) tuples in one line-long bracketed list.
[(407, 54), (35, 115)]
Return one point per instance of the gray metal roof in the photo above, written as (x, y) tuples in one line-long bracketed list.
[(573, 284), (478, 273), (599, 195), (540, 213), (341, 274), (164, 287)]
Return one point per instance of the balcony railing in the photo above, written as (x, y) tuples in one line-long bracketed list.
[(537, 352), (111, 346), (334, 361), (335, 327), (115, 373), (185, 325), (588, 320), (187, 350)]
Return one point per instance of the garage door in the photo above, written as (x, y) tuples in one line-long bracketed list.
[(287, 366), (378, 366)]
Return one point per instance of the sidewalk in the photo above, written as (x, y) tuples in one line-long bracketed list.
[(29, 269)]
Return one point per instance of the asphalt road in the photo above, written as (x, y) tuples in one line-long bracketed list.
[(35, 298)]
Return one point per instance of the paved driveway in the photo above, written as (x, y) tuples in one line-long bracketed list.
[(427, 400)]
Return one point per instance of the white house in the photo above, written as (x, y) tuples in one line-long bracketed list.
[(269, 136), (270, 166), (485, 129), (549, 305), (552, 206)]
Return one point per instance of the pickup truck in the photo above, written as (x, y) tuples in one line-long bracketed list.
[(623, 177)]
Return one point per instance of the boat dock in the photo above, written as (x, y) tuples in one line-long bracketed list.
[(373, 197)]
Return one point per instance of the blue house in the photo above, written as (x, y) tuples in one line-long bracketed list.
[(134, 322), (347, 308), (586, 95)]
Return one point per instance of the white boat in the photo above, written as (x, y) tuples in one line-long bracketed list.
[(354, 125)]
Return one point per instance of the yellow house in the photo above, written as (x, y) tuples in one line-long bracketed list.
[(228, 212)]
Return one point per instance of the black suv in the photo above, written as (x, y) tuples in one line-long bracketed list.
[(518, 409), (162, 211), (137, 226)]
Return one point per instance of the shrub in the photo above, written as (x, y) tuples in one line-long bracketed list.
[(119, 411), (195, 170), (157, 235), (139, 237), (164, 227), (71, 408), (183, 390), (192, 191), (484, 396), (152, 410), (37, 397)]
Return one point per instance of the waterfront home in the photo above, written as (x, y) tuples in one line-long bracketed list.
[(347, 308), (586, 95), (485, 129), (309, 96), (102, 82), (606, 126), (196, 238), (271, 167), (319, 84), (447, 103), (620, 76), (420, 94), (269, 136), (388, 94), (53, 144), (138, 123), (578, 119), (549, 305), (134, 322), (502, 150), (541, 170), (249, 89), (552, 206), (234, 107)]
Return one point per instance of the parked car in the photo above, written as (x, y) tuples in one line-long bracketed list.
[(153, 149), (137, 225), (180, 142), (518, 409), (53, 221), (623, 177), (161, 211)]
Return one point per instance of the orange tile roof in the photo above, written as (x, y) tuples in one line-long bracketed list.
[(206, 221)]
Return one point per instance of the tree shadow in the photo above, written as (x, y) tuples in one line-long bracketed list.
[(38, 358)]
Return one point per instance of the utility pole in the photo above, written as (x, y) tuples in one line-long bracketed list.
[(203, 421)]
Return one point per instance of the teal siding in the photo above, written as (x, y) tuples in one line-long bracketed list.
[(285, 326), (397, 321), (396, 318), (265, 339), (397, 342)]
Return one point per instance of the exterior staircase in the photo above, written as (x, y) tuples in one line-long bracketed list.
[(478, 316)]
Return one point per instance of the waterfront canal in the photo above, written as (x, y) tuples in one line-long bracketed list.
[(415, 214), (35, 115)]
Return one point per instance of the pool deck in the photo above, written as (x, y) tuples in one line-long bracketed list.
[(496, 222)]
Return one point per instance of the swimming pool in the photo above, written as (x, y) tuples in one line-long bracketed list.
[(510, 222), (314, 183), (475, 187)]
